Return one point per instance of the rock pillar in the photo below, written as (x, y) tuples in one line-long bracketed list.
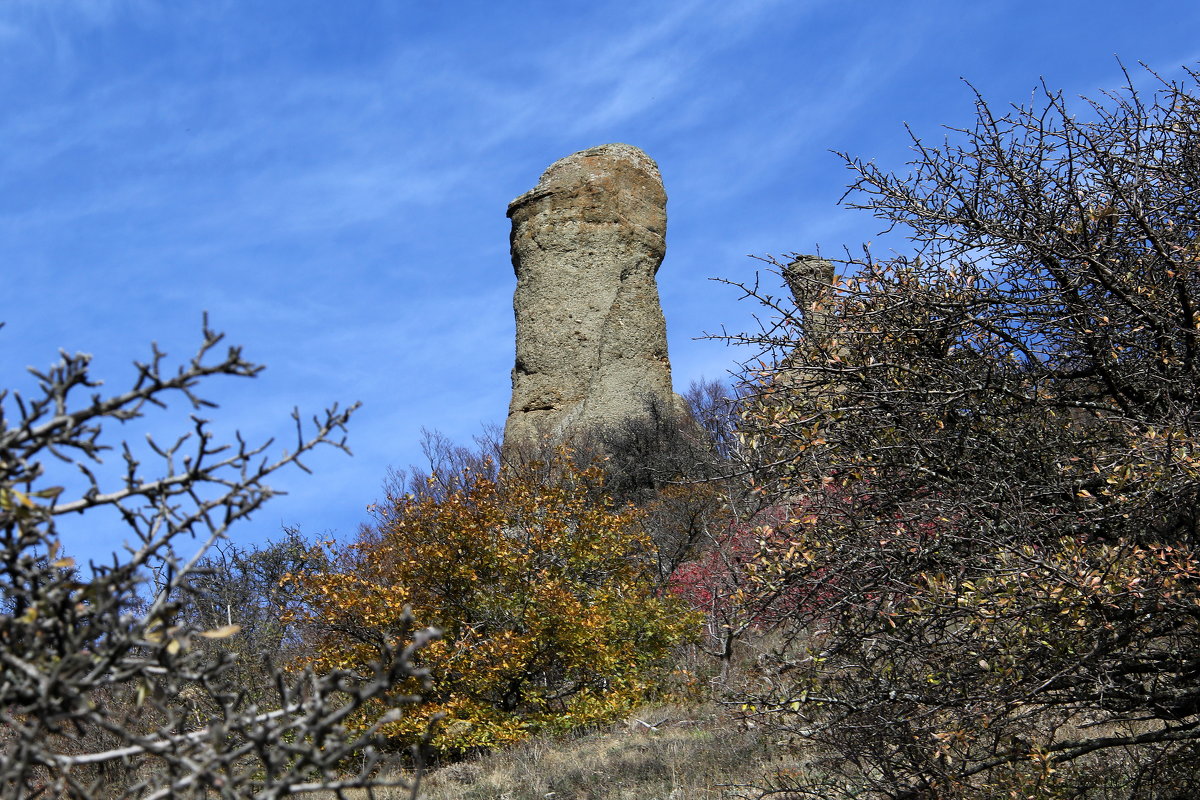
[(811, 279), (587, 242)]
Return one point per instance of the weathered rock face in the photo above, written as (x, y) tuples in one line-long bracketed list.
[(587, 242), (811, 280), (808, 277)]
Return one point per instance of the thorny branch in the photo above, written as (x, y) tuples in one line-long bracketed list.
[(987, 469), (105, 691)]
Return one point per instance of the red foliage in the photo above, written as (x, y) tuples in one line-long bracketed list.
[(750, 577)]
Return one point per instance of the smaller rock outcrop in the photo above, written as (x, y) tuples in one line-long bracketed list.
[(811, 280)]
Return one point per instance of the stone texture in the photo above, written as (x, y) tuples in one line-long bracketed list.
[(587, 242), (811, 280)]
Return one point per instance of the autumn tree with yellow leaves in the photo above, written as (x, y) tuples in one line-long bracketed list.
[(544, 593)]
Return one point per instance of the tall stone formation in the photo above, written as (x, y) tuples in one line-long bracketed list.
[(587, 242)]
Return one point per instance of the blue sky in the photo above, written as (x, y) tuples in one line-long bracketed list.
[(329, 180)]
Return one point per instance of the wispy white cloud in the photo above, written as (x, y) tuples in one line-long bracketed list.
[(339, 205), (51, 27)]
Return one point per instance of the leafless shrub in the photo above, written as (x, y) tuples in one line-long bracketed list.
[(245, 585), (446, 463), (104, 691)]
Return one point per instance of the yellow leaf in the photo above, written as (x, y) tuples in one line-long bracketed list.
[(223, 632)]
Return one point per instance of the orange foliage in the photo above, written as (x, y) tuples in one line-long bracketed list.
[(543, 591)]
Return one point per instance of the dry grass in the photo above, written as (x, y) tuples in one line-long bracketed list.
[(690, 753)]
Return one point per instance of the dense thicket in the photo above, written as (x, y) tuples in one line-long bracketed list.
[(984, 465)]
